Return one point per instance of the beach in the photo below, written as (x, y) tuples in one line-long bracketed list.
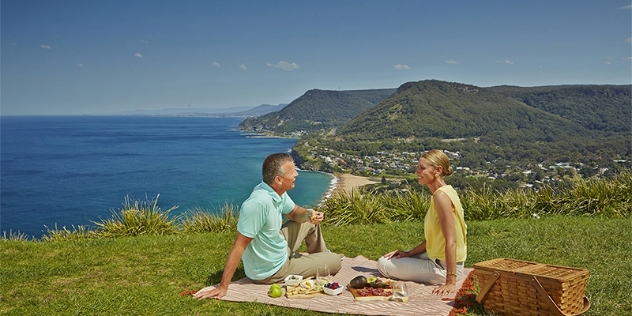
[(347, 182)]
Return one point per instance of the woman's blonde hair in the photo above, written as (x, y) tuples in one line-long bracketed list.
[(439, 158)]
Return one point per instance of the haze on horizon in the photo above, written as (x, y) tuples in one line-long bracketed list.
[(89, 57)]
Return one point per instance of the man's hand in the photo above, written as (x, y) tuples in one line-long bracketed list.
[(316, 217), (302, 215), (217, 293), (234, 256)]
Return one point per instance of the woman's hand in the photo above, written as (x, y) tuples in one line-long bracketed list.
[(445, 289), (396, 254)]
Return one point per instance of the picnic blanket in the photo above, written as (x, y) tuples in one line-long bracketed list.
[(421, 300)]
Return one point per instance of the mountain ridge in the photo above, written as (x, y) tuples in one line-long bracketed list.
[(432, 108), (317, 110)]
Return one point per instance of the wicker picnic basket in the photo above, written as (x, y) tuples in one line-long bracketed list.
[(515, 287)]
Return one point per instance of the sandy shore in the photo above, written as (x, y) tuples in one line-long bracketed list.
[(346, 182)]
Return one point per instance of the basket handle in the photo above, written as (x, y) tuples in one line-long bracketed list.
[(551, 303), (481, 295)]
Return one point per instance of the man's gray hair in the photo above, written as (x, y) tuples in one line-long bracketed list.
[(273, 166)]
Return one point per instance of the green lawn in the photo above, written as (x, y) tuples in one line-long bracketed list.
[(144, 275)]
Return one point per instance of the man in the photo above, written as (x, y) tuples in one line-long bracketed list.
[(266, 245)]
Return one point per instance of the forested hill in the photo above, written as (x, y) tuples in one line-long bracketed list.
[(446, 110), (317, 110), (489, 129), (595, 107)]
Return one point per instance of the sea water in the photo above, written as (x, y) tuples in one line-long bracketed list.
[(68, 171)]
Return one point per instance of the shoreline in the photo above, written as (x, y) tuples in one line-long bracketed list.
[(345, 183)]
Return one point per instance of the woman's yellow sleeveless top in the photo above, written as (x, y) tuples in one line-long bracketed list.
[(435, 243)]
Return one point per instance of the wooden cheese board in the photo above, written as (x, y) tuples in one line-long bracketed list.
[(312, 295), (358, 297), (361, 294)]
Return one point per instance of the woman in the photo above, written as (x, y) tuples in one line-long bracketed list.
[(441, 256)]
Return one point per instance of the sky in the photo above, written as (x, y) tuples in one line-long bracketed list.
[(77, 57)]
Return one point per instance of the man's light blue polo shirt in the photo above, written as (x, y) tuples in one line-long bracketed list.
[(261, 218)]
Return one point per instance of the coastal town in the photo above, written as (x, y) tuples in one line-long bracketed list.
[(397, 164)]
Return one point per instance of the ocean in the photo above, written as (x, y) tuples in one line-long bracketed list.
[(68, 171)]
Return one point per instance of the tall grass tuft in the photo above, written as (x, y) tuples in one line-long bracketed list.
[(406, 206), (138, 218), (354, 207), (57, 234), (591, 197), (202, 221), (599, 197), (484, 204), (14, 236)]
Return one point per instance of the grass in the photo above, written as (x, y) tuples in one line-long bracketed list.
[(144, 275)]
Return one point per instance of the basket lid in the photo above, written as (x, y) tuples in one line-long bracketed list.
[(553, 272), (504, 264)]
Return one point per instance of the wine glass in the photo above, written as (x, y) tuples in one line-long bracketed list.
[(322, 274), (400, 292)]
